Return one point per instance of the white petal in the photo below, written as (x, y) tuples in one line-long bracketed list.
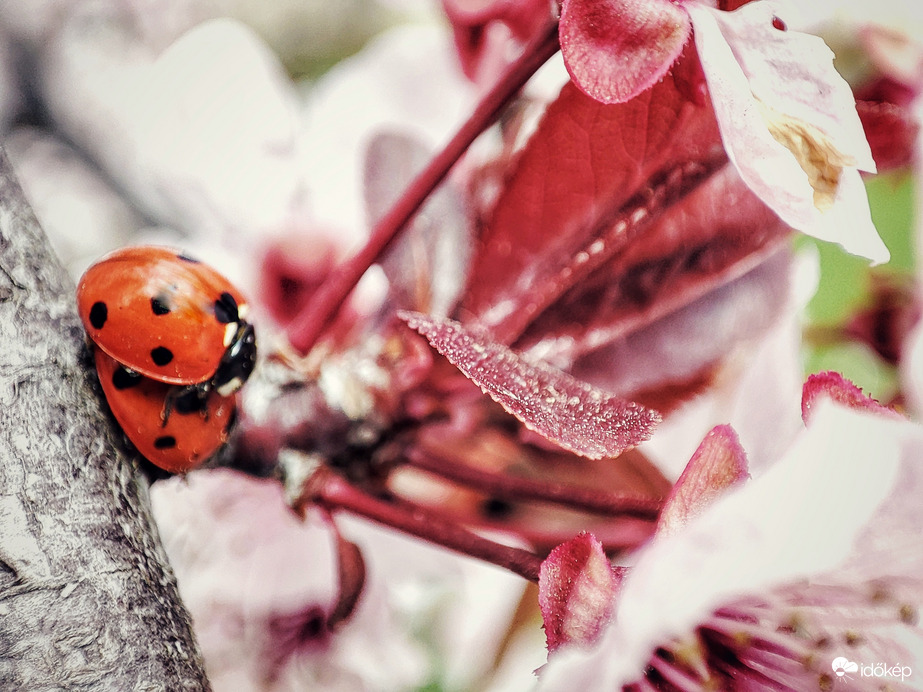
[(793, 71), (769, 168), (849, 221)]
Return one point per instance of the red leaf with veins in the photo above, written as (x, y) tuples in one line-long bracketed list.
[(571, 413), (587, 183), (616, 220), (718, 232), (577, 587)]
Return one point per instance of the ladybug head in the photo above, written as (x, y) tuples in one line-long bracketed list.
[(237, 362)]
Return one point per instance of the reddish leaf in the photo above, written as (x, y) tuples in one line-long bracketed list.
[(492, 447), (836, 387), (587, 258), (715, 234), (718, 464), (615, 49), (664, 363), (473, 20), (587, 182), (892, 132), (571, 413), (577, 588)]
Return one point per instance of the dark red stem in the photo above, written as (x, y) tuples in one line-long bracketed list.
[(333, 492), (507, 487), (310, 323)]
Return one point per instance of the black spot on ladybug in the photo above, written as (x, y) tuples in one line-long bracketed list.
[(165, 442), (159, 305), (190, 401), (161, 355), (123, 378), (99, 313), (226, 308), (186, 258)]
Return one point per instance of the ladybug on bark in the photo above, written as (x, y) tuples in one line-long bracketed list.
[(176, 340)]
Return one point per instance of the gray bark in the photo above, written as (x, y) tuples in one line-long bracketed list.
[(87, 599)]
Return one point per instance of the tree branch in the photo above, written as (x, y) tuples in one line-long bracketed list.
[(87, 599)]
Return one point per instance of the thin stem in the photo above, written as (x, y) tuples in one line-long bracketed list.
[(335, 493), (310, 323), (505, 487)]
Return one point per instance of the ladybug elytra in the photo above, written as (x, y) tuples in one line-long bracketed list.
[(172, 347)]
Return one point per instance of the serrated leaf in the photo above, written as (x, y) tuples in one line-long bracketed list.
[(615, 220), (714, 235), (573, 414)]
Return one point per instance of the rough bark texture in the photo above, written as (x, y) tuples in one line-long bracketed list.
[(87, 600)]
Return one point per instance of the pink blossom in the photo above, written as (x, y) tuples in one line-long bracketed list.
[(817, 558), (789, 123)]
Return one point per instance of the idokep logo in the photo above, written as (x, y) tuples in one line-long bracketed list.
[(842, 667)]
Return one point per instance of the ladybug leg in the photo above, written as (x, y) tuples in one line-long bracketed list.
[(186, 400)]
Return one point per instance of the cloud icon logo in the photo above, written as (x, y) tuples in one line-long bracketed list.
[(842, 665)]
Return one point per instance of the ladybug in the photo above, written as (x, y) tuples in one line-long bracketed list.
[(168, 317), (172, 348), (194, 430)]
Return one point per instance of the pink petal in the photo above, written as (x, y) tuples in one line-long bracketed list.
[(718, 464), (571, 413), (577, 587), (615, 49)]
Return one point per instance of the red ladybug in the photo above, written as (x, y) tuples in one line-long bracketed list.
[(173, 346), (194, 429), (168, 317)]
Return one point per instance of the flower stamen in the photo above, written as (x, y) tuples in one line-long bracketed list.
[(818, 157)]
